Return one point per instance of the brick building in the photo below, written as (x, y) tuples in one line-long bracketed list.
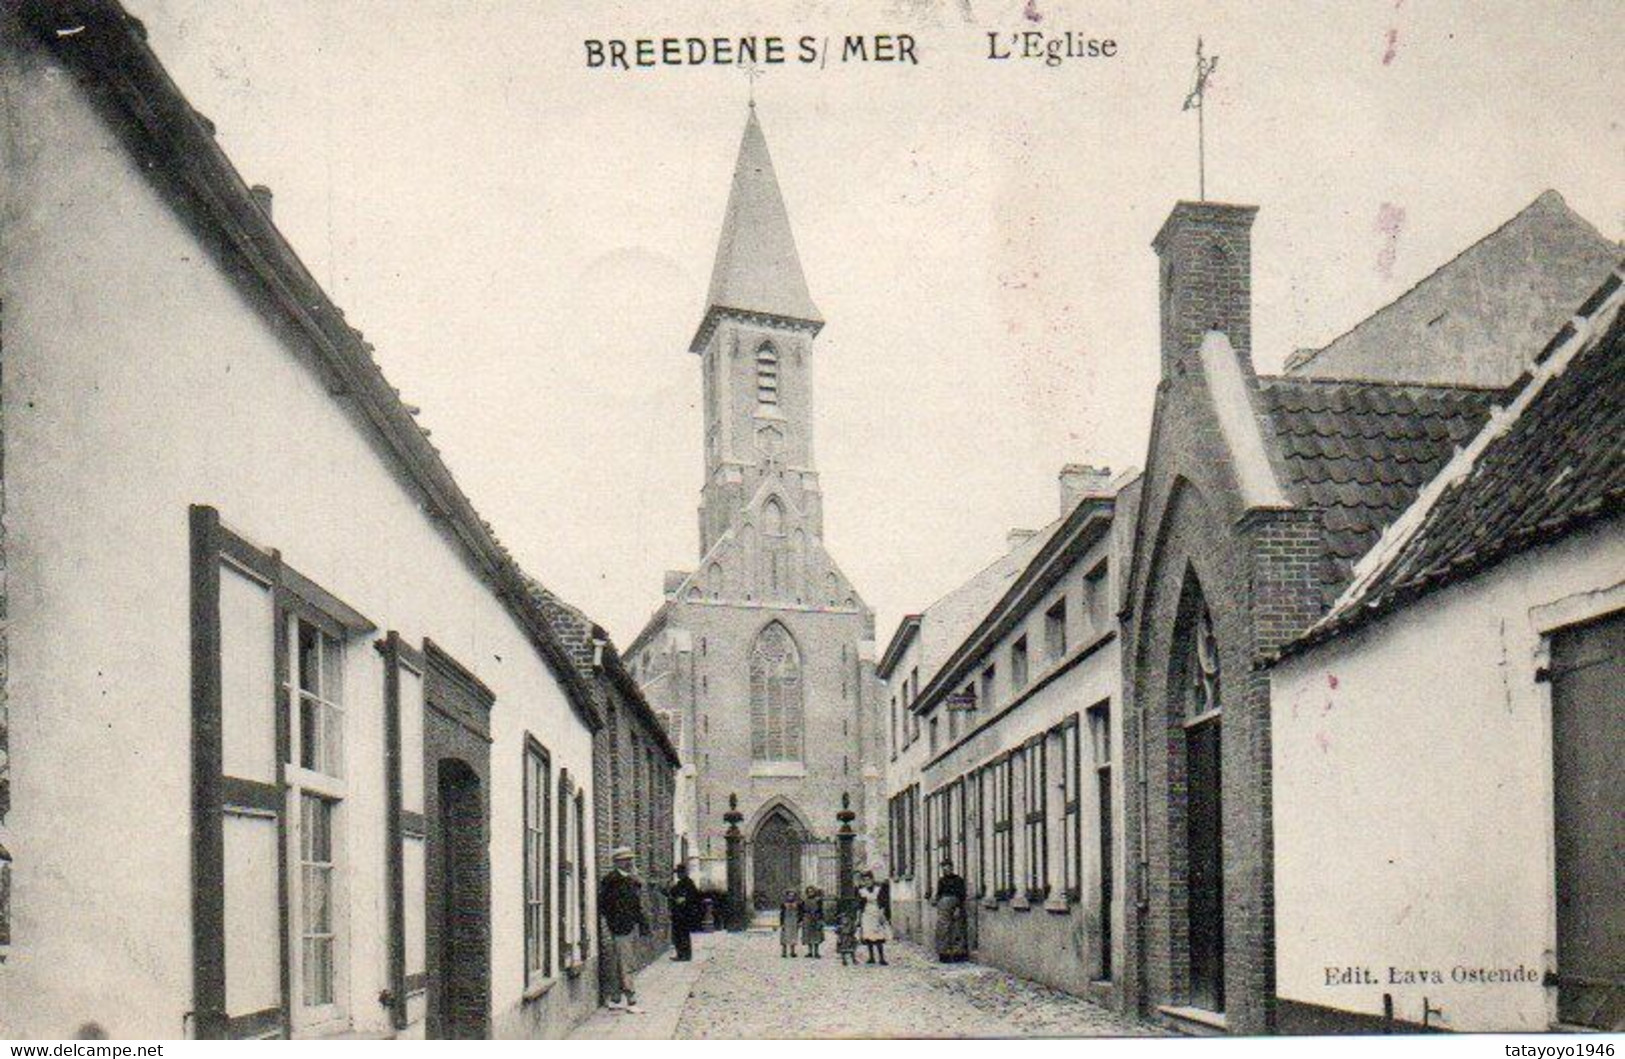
[(1260, 493), (764, 652), (635, 767)]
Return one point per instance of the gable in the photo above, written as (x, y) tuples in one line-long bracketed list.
[(770, 555), (1460, 325)]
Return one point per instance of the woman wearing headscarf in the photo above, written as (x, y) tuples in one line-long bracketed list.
[(951, 941)]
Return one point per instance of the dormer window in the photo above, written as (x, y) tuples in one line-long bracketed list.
[(767, 374)]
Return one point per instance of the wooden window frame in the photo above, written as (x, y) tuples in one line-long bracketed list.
[(536, 889), (211, 547)]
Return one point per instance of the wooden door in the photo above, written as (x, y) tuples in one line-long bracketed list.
[(1588, 743), (1204, 865)]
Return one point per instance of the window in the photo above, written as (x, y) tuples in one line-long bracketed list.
[(983, 818), (1070, 791), (958, 818), (1055, 630), (931, 824), (1202, 696), (932, 747), (1003, 845), (913, 828), (1018, 664), (775, 696), (1035, 793), (538, 821), (767, 374), (321, 690), (317, 935), (1097, 598), (1100, 738), (988, 677), (316, 795), (894, 726)]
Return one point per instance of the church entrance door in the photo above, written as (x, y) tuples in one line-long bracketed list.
[(775, 859)]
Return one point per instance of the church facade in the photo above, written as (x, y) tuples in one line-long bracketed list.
[(762, 656)]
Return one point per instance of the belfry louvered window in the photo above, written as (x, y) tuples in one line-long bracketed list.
[(767, 374), (775, 696)]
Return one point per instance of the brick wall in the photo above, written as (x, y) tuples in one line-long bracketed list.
[(1257, 572)]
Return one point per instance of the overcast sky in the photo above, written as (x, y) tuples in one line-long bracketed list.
[(528, 241)]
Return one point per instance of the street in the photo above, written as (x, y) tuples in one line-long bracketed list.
[(739, 987)]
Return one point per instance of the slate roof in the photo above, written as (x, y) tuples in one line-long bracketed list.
[(1361, 451), (757, 268), (1555, 466)]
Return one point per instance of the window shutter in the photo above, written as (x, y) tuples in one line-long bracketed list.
[(239, 742), (406, 863)]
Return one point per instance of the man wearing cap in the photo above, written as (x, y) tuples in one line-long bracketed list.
[(621, 905)]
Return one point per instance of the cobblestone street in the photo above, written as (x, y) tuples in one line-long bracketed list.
[(739, 987)]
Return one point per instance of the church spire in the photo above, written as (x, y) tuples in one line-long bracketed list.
[(757, 268)]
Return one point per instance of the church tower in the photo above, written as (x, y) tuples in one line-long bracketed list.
[(762, 657), (755, 344)]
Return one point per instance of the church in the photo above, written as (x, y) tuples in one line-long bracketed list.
[(762, 657)]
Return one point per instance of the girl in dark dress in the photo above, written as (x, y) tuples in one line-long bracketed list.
[(812, 921)]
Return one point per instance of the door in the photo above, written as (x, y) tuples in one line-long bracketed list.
[(1204, 865), (463, 1001), (1588, 742), (776, 857)]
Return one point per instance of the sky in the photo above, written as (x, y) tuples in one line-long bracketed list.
[(527, 241)]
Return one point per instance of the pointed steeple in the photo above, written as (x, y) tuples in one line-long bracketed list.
[(757, 268)]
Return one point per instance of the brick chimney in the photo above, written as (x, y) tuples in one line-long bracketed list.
[(1078, 480), (1206, 258), (262, 198)]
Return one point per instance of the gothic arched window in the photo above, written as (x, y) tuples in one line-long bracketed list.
[(1199, 663), (773, 518), (775, 696), (767, 374)]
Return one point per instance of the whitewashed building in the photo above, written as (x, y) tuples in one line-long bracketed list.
[(1447, 739), (291, 749), (1013, 734)]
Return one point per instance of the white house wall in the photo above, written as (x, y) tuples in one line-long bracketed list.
[(1413, 798), (141, 379)]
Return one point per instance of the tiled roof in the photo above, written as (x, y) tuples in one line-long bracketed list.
[(573, 629), (578, 634), (1360, 452), (1555, 464)]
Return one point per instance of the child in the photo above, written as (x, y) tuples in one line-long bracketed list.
[(846, 933), (789, 924), (874, 930), (812, 922)]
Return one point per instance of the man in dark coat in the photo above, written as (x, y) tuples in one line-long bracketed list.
[(683, 898), (621, 905)]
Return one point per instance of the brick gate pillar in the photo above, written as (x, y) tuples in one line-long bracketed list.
[(737, 915), (844, 839)]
